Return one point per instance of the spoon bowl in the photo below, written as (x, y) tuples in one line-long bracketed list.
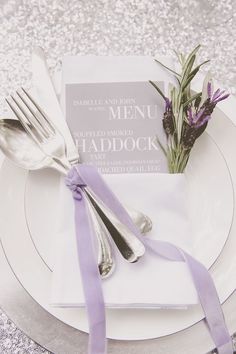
[(18, 147)]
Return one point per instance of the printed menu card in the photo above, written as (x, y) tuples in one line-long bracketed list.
[(117, 125)]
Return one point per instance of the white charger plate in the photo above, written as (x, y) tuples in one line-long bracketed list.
[(206, 181)]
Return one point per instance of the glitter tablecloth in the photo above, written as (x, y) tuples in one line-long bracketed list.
[(145, 27)]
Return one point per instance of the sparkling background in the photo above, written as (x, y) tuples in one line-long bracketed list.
[(108, 27)]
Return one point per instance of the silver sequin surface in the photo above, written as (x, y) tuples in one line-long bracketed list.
[(121, 27)]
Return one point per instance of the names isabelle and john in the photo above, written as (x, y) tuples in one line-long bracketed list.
[(121, 109)]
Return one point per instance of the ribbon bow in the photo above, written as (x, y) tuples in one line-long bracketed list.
[(83, 175), (75, 183)]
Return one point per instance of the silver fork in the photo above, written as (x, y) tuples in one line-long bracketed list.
[(105, 260), (41, 129)]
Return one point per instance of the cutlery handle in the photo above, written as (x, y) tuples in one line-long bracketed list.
[(130, 247), (105, 259), (128, 244)]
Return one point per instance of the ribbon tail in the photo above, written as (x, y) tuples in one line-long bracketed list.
[(211, 306), (206, 290), (91, 279)]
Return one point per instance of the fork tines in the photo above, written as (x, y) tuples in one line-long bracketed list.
[(30, 114)]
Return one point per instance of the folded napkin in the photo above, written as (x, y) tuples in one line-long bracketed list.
[(152, 281)]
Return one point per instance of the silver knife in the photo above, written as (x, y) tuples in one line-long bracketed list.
[(47, 95)]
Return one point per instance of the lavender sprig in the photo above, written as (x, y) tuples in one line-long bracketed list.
[(198, 117), (186, 115), (203, 114)]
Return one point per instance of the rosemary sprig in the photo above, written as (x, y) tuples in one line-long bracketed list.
[(166, 67), (186, 115)]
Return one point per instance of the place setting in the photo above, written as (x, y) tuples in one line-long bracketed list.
[(118, 214)]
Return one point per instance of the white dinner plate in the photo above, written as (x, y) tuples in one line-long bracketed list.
[(30, 263)]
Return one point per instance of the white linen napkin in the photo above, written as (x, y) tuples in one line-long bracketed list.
[(152, 281)]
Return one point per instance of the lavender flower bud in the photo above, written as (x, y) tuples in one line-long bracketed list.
[(189, 136), (168, 118), (168, 123)]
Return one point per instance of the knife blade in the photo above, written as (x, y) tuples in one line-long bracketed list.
[(47, 97)]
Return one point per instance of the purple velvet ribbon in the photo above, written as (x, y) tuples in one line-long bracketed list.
[(83, 175)]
